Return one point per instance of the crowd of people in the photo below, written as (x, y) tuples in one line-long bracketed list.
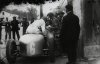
[(12, 27), (66, 27)]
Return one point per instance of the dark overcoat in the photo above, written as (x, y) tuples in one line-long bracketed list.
[(70, 30)]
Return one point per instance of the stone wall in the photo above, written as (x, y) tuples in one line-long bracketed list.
[(89, 43)]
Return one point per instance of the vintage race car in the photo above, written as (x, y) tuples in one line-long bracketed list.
[(29, 45)]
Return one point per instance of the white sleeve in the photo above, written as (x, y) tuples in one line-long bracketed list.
[(29, 29), (43, 27)]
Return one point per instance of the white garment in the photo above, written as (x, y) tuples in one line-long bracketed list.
[(2, 49), (38, 26)]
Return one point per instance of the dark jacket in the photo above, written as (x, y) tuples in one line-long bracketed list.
[(7, 26), (70, 27), (0, 24), (25, 24), (14, 25)]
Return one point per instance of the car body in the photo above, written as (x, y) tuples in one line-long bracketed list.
[(29, 45)]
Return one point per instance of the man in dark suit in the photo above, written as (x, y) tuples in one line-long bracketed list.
[(7, 29), (25, 25), (15, 28), (1, 20), (70, 34)]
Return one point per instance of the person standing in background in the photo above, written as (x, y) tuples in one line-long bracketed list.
[(50, 28), (1, 20), (19, 20), (7, 29), (58, 19), (32, 20), (25, 25), (70, 34), (15, 27)]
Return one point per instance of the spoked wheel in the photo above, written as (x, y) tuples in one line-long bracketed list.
[(11, 53)]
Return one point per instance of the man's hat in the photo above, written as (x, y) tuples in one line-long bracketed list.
[(50, 14), (61, 12), (14, 16), (69, 7)]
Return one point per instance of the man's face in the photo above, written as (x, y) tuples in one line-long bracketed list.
[(66, 10), (24, 19), (61, 15), (14, 18), (48, 18)]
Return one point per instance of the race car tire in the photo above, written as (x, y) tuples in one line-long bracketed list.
[(10, 51)]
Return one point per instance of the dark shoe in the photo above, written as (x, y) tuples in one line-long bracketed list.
[(71, 63), (52, 60), (68, 63)]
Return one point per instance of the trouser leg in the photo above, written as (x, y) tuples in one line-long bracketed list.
[(6, 35), (18, 36), (50, 41), (72, 52), (13, 34), (63, 46), (9, 34), (24, 30), (0, 33)]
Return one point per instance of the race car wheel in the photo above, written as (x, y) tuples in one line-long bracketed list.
[(11, 51)]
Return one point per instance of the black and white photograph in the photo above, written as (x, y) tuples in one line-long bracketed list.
[(49, 32)]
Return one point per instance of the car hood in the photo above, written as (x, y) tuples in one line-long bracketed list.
[(31, 38)]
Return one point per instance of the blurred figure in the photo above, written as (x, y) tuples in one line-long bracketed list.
[(19, 20), (32, 20), (57, 27), (70, 34), (50, 27), (60, 17), (1, 20), (58, 21), (25, 25), (15, 27), (7, 29)]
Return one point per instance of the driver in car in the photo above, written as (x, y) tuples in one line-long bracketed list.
[(44, 26), (37, 27)]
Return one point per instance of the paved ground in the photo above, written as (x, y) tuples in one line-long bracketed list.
[(44, 60), (40, 60)]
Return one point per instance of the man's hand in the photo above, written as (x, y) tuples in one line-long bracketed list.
[(48, 27), (40, 29)]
